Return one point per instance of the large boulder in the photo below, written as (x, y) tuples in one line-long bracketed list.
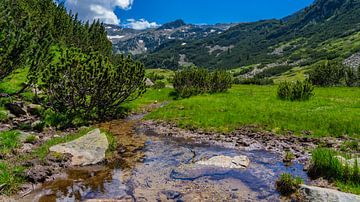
[(317, 194), (237, 162), (87, 150)]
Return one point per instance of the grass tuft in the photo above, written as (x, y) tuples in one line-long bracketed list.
[(333, 166), (288, 185), (9, 140)]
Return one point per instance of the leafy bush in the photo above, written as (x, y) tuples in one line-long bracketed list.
[(333, 73), (193, 81), (155, 77), (299, 90), (159, 85), (88, 86), (219, 81), (328, 164), (287, 184), (255, 81)]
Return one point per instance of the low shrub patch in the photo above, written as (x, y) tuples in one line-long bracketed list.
[(159, 85), (193, 81), (287, 185), (295, 91), (254, 81)]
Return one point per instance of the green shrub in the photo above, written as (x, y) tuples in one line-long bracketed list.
[(219, 81), (193, 81), (88, 86), (295, 91), (287, 184), (159, 85), (155, 77), (333, 73), (254, 81)]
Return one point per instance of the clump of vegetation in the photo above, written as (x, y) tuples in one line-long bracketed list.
[(288, 157), (193, 81), (255, 81), (10, 178), (287, 185), (31, 139), (350, 146), (333, 73), (295, 91), (155, 77), (159, 85), (88, 86), (9, 140), (329, 164)]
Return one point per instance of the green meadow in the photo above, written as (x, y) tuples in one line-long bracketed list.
[(331, 112)]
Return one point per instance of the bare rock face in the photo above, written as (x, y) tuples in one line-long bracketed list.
[(87, 150), (317, 194), (237, 162)]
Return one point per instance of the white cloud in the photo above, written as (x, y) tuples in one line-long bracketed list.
[(140, 24), (98, 9)]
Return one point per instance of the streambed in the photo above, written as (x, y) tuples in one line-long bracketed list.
[(150, 169)]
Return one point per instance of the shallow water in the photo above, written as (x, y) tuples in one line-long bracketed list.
[(152, 169)]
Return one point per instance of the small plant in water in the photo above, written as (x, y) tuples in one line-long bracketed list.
[(288, 157), (287, 185)]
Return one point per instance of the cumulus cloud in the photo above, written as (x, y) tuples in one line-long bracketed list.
[(140, 24), (98, 9)]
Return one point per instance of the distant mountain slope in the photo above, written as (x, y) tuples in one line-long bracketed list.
[(136, 42), (299, 39)]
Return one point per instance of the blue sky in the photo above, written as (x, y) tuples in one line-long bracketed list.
[(211, 11), (141, 14)]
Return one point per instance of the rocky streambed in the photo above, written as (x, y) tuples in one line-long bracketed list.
[(160, 162)]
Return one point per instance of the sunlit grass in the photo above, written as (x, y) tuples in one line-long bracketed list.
[(331, 112)]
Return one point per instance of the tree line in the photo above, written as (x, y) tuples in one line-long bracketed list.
[(71, 61)]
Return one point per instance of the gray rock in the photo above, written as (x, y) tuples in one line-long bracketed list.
[(237, 162), (317, 194), (87, 150), (16, 109), (350, 162), (148, 82), (33, 109)]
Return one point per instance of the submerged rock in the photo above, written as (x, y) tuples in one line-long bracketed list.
[(217, 165), (87, 150), (237, 162), (317, 194)]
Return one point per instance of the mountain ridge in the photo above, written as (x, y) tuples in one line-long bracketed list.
[(296, 39)]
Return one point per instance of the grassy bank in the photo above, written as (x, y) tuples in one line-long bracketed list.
[(327, 163), (331, 112)]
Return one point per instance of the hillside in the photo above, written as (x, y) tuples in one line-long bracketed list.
[(309, 35), (137, 42)]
